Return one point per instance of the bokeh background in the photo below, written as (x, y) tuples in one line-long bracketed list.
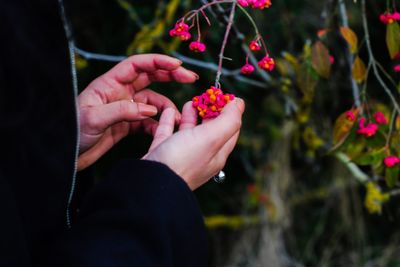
[(287, 200)]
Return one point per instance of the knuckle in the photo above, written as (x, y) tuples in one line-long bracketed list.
[(90, 119)]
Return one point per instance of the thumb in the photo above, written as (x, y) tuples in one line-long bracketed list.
[(165, 127), (223, 127), (98, 118)]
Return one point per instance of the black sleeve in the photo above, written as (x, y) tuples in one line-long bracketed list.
[(143, 215)]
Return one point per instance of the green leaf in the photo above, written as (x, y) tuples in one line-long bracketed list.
[(320, 59), (350, 37), (392, 176), (373, 157), (393, 39), (359, 71), (376, 141), (306, 80)]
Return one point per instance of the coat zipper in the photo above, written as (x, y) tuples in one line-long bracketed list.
[(71, 47)]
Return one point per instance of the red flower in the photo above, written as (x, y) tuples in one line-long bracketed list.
[(391, 161), (396, 68), (247, 69), (267, 63), (197, 47)]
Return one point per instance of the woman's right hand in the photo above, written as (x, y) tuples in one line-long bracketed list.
[(196, 152)]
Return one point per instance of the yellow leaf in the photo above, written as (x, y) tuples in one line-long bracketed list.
[(350, 37), (343, 126), (320, 59), (359, 71), (393, 39)]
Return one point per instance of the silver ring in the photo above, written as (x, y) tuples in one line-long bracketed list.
[(220, 177)]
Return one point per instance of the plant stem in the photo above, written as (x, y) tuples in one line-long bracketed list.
[(225, 41), (391, 127)]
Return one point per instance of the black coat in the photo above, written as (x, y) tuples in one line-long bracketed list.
[(143, 214)]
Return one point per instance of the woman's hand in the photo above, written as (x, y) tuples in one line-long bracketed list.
[(196, 152), (118, 103)]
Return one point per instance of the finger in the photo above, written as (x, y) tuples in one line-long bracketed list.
[(219, 130), (128, 70), (98, 118), (165, 127), (91, 155), (161, 102), (223, 154), (180, 75), (149, 126), (189, 117)]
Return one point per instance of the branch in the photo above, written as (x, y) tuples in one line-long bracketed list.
[(95, 56), (349, 56)]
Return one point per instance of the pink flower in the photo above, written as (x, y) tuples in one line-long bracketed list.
[(396, 16), (331, 59), (247, 69), (267, 63), (181, 30), (370, 130), (388, 18), (380, 118), (185, 36), (261, 4), (391, 161), (197, 47), (350, 116), (243, 3), (254, 46), (396, 68)]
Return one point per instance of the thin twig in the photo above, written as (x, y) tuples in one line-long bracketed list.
[(224, 42), (214, 67)]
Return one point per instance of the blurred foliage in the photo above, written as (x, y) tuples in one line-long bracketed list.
[(296, 192)]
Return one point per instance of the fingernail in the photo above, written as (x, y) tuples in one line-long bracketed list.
[(147, 110), (196, 75)]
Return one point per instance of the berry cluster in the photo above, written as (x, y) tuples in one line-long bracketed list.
[(181, 30), (371, 128), (210, 103), (257, 4), (266, 63), (388, 18), (391, 161)]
